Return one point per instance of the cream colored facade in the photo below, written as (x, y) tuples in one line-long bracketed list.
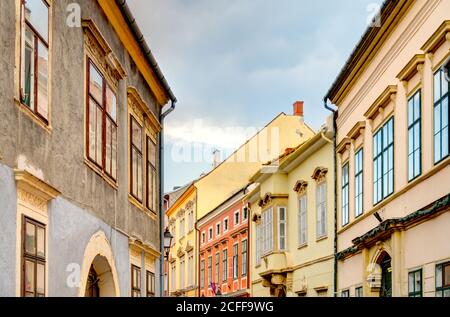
[(405, 230), (299, 196), (183, 256)]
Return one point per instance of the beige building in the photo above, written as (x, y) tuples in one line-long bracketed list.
[(393, 155), (292, 213)]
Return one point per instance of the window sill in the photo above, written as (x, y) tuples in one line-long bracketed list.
[(34, 117), (100, 173), (141, 207), (302, 246), (321, 238)]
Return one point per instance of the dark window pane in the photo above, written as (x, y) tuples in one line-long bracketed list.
[(29, 276), (40, 279), (30, 238), (40, 242)]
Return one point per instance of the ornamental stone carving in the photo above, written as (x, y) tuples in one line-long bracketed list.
[(300, 187), (320, 174)]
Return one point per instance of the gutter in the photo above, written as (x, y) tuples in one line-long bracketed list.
[(131, 21), (335, 112), (162, 116)]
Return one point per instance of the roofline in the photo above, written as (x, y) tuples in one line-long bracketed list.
[(388, 7), (131, 21)]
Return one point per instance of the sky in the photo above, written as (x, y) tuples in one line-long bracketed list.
[(236, 64)]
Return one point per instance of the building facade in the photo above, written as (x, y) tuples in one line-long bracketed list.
[(392, 155), (80, 106), (224, 249), (183, 255), (292, 213)]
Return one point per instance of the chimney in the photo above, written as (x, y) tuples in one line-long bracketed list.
[(216, 158), (298, 108)]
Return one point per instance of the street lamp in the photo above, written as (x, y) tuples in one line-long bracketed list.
[(167, 243)]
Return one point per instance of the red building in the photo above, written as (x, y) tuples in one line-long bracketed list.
[(224, 249)]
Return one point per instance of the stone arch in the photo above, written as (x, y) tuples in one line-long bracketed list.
[(98, 256)]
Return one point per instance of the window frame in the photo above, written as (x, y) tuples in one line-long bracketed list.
[(37, 38), (151, 291), (34, 258), (224, 265), (267, 232), (151, 195), (301, 223), (226, 224), (210, 259), (280, 224), (244, 257), (345, 194), (443, 288), (182, 272), (359, 175), (202, 273), (237, 218), (415, 293), (345, 293), (319, 205), (141, 153), (359, 292), (136, 288), (380, 156), (439, 102), (236, 261), (411, 127), (217, 267)]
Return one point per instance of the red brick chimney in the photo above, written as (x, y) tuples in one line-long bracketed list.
[(298, 108)]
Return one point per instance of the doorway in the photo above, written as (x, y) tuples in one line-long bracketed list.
[(386, 276)]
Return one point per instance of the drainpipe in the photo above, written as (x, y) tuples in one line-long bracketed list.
[(162, 116), (325, 101)]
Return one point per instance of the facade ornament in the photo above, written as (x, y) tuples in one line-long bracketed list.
[(300, 187), (265, 201), (320, 174)]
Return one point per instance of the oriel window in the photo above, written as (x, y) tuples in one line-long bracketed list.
[(34, 89)]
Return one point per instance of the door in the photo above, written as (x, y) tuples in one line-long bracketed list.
[(386, 277)]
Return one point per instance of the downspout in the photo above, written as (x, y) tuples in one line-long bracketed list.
[(335, 193), (162, 116)]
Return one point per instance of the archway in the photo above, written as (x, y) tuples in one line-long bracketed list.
[(384, 261), (98, 273)]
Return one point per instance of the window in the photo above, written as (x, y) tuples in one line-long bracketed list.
[(34, 88), (203, 237), (415, 284), (359, 292), (209, 271), (182, 225), (225, 265), (235, 261), (210, 234), (345, 193), (443, 280), (321, 208), (151, 190), (245, 214), (191, 220), (225, 225), (258, 241), (244, 257), (217, 268), (302, 221), (202, 274), (135, 281), (383, 162), (173, 232), (150, 284), (218, 229), (173, 278), (441, 117), (33, 259), (345, 293), (236, 218), (414, 136), (282, 228), (359, 179), (136, 159), (101, 123), (190, 269), (267, 231), (182, 273)]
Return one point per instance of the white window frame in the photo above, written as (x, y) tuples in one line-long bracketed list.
[(238, 213), (267, 231), (282, 223), (218, 226), (210, 233), (302, 220), (203, 237), (227, 227), (321, 211)]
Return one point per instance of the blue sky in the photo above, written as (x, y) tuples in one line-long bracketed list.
[(239, 63)]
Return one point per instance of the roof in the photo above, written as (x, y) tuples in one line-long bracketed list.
[(131, 21), (367, 46), (176, 194)]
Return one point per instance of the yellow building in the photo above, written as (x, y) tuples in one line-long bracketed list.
[(292, 213), (205, 194), (393, 155), (182, 262)]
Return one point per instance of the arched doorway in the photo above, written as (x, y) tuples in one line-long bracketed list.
[(98, 273), (386, 275)]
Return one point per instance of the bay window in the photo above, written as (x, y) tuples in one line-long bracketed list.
[(383, 162), (34, 88), (101, 122)]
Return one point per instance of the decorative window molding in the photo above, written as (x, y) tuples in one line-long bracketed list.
[(32, 189), (320, 174), (357, 130), (101, 52), (141, 109), (414, 66), (300, 187), (180, 252), (441, 35), (268, 198), (344, 145), (382, 101)]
